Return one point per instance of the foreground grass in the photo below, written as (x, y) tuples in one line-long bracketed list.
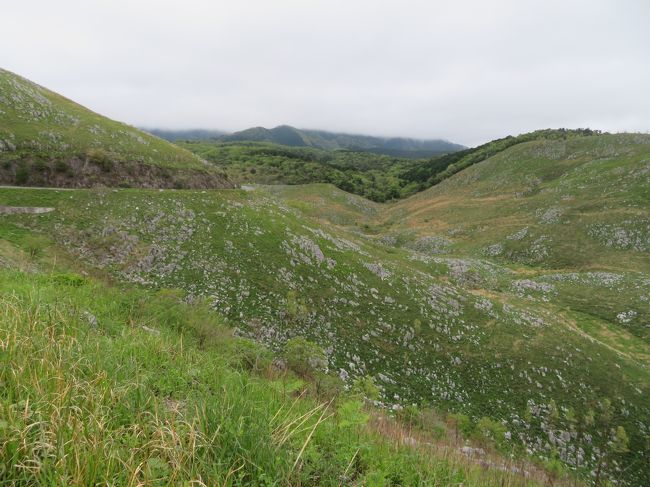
[(104, 386)]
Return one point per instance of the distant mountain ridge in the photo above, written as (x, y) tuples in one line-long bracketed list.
[(187, 134), (320, 139)]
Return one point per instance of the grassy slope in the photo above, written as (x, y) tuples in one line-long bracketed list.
[(561, 209), (437, 169), (120, 385), (453, 332), (43, 131), (568, 220)]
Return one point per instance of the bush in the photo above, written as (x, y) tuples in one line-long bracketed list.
[(39, 165), (438, 431), (554, 469), (460, 423), (304, 357), (61, 166), (352, 414), (101, 158), (410, 415), (328, 386), (34, 246), (253, 356), (491, 432), (22, 174), (296, 309), (366, 387)]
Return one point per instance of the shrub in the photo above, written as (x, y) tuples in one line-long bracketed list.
[(22, 174), (554, 469), (438, 431), (351, 414), (328, 386), (410, 415), (62, 166), (101, 158), (253, 356), (366, 387), (296, 309), (39, 165), (460, 423), (304, 357), (491, 431), (34, 246)]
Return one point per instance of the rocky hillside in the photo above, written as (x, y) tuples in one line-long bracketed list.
[(48, 140), (515, 292)]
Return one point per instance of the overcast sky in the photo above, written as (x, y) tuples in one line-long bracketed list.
[(465, 70)]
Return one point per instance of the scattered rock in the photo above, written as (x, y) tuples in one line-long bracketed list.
[(91, 319)]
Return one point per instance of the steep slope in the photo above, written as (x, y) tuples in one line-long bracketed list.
[(120, 385), (459, 333), (577, 185), (574, 206), (48, 140), (395, 146), (431, 172)]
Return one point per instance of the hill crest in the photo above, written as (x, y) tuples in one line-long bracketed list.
[(49, 140)]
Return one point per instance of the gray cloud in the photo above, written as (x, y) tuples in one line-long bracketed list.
[(466, 70)]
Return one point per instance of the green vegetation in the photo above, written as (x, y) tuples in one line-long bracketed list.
[(303, 335), (125, 386), (386, 292), (377, 177), (48, 140), (440, 168)]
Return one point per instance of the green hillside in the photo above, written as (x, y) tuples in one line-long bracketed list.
[(437, 169), (578, 191), (378, 177), (48, 140), (124, 386), (539, 336), (507, 305)]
